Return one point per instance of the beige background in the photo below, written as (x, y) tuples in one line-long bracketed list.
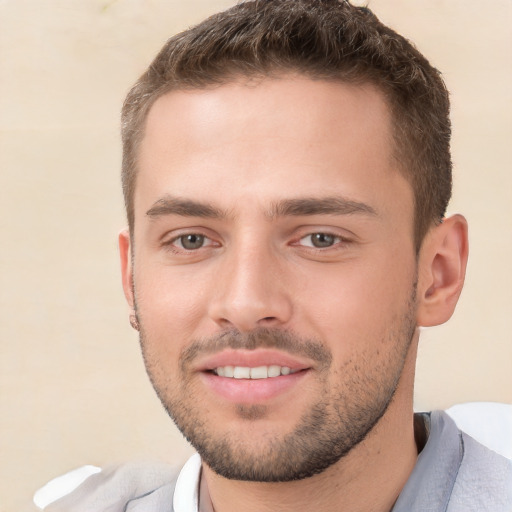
[(72, 386)]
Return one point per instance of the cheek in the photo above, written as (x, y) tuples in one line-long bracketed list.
[(170, 306), (358, 305)]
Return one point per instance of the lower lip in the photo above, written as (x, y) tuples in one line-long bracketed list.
[(250, 391)]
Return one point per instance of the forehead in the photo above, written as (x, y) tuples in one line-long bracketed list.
[(290, 136)]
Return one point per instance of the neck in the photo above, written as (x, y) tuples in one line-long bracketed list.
[(370, 477)]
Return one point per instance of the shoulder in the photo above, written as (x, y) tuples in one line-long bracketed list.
[(484, 479), (455, 473), (115, 489), (481, 478)]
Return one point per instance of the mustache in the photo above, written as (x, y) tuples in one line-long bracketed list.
[(262, 337)]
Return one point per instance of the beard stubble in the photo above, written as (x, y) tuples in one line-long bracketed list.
[(341, 417)]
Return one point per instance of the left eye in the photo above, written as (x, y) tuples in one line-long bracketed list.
[(190, 242), (320, 240)]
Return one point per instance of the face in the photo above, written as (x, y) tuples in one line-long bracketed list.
[(273, 270)]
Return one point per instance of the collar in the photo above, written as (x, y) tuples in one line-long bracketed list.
[(186, 494), (436, 469)]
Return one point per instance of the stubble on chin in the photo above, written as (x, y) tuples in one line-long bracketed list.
[(251, 412)]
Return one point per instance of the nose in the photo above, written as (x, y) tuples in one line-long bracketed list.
[(250, 291)]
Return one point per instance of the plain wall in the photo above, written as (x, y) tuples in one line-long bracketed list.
[(73, 389)]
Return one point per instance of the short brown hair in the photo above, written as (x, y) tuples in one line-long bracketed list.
[(321, 39)]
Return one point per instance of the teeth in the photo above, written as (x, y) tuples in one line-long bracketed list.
[(242, 372), (274, 371), (259, 372)]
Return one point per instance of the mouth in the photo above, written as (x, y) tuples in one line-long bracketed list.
[(258, 372), (250, 377)]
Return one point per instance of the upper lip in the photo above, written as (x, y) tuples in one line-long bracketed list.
[(251, 359)]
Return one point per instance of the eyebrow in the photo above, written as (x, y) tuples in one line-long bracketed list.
[(185, 207), (320, 206), (298, 207)]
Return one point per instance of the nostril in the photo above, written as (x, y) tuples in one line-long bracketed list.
[(268, 319)]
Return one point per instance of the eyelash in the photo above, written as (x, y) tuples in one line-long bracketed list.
[(337, 242), (170, 245)]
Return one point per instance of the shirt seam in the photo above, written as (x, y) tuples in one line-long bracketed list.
[(131, 500), (454, 480)]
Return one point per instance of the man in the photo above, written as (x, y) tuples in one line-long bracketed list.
[(286, 172)]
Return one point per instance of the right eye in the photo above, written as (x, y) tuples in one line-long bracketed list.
[(191, 241)]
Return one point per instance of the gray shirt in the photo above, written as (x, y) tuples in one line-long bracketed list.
[(453, 473)]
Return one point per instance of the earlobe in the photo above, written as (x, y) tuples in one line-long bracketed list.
[(126, 265), (442, 269)]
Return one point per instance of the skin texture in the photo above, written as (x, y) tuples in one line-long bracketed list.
[(271, 222)]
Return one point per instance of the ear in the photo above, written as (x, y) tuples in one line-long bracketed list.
[(442, 269), (125, 249)]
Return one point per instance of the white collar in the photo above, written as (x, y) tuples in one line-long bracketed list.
[(186, 494)]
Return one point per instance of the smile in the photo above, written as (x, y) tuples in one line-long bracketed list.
[(258, 372)]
